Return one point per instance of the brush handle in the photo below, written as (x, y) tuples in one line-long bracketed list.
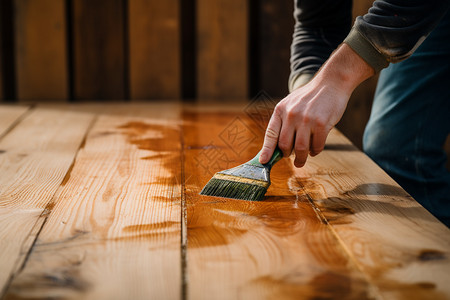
[(276, 156)]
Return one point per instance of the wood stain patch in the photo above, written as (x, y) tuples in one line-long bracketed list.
[(150, 227), (164, 141), (326, 285), (284, 226), (168, 139), (431, 255), (37, 286)]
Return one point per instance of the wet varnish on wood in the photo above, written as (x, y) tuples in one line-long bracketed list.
[(100, 201)]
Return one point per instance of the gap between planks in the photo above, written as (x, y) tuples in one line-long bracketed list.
[(16, 118), (375, 291), (184, 240)]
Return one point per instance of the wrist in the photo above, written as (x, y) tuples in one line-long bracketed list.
[(345, 70)]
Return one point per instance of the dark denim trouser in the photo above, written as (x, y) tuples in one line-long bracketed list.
[(410, 121)]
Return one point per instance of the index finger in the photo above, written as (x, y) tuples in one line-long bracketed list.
[(270, 139)]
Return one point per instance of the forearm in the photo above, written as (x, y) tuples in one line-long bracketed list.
[(344, 70)]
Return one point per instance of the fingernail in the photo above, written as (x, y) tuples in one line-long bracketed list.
[(262, 158)]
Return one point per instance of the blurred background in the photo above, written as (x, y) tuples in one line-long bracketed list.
[(144, 50)]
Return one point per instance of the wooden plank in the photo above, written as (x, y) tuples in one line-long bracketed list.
[(154, 37), (114, 232), (99, 59), (35, 157), (222, 45), (273, 249), (9, 115), (401, 247), (41, 51)]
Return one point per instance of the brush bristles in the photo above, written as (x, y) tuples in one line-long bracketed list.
[(234, 189)]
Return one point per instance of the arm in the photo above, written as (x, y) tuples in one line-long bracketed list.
[(320, 26), (393, 29), (303, 119), (390, 32)]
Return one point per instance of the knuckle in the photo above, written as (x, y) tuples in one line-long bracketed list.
[(278, 108), (321, 122), (271, 134), (266, 147), (300, 147), (305, 118), (291, 115), (284, 146)]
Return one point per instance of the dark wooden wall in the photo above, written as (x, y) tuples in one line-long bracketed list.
[(78, 50), (73, 50)]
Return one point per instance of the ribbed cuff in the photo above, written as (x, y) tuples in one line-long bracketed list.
[(298, 80), (366, 50)]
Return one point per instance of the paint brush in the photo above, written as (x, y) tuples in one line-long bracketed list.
[(248, 181)]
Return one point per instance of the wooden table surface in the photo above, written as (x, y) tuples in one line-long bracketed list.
[(101, 201)]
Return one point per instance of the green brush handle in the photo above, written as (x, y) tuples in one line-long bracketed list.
[(276, 156)]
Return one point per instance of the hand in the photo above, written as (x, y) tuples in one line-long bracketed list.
[(302, 121)]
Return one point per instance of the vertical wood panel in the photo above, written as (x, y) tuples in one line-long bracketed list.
[(7, 50), (188, 49), (98, 41), (222, 44), (41, 54), (274, 26), (154, 35), (1, 53)]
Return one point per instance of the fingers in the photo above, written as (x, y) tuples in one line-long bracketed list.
[(286, 139), (318, 140), (301, 147), (271, 138)]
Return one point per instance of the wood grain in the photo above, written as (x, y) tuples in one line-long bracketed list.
[(114, 232), (34, 159), (41, 50), (99, 59), (222, 45), (9, 115), (274, 249), (154, 36), (402, 248), (126, 220)]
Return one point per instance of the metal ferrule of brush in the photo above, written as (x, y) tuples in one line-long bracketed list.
[(248, 181), (254, 170)]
